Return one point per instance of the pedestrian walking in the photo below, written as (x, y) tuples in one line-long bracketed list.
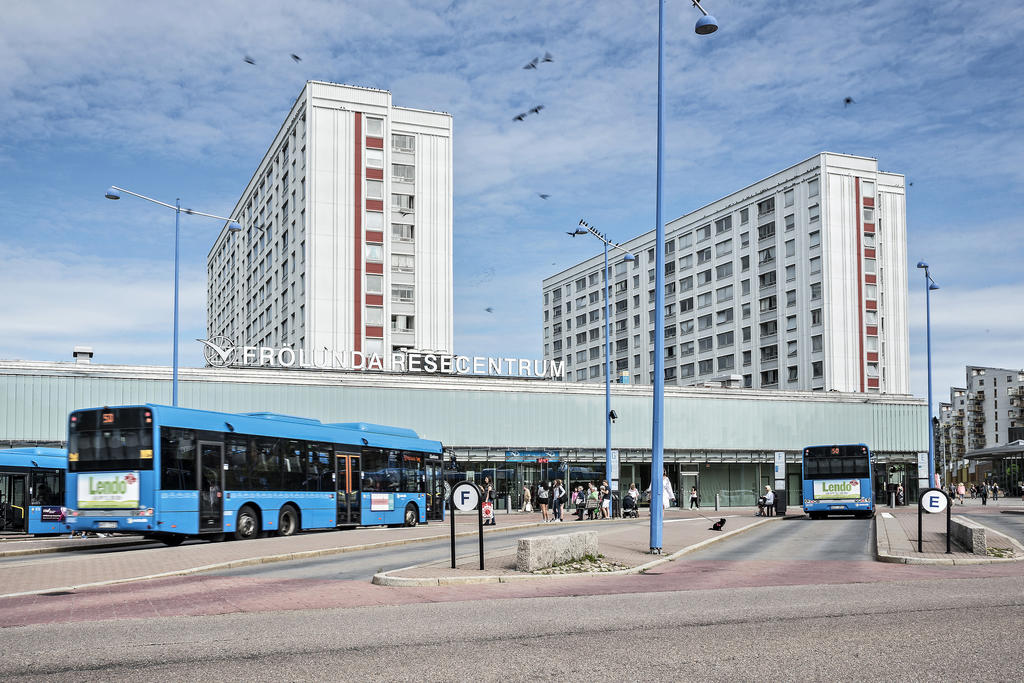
[(995, 492), (542, 499), (983, 491), (694, 501), (557, 492), (960, 492), (769, 501), (527, 506), (668, 496), (899, 495), (489, 498)]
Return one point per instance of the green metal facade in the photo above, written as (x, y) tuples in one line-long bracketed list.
[(471, 412)]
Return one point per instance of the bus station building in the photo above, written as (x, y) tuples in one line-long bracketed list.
[(515, 430)]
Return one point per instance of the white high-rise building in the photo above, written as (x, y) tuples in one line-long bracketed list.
[(798, 281), (347, 231)]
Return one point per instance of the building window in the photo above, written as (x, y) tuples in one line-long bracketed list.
[(791, 373), (704, 255), (704, 344), (813, 213), (403, 203), (766, 207), (816, 318), (704, 322), (768, 328), (869, 265), (374, 315), (403, 263), (818, 369), (686, 349), (704, 277), (686, 284), (703, 233), (724, 247), (375, 127), (812, 188), (706, 367), (769, 303), (726, 339), (816, 343), (724, 316), (686, 241), (704, 300), (723, 294), (405, 294), (790, 273), (767, 279), (375, 252), (746, 334), (790, 221), (405, 323), (723, 271), (686, 327), (815, 290), (402, 232), (403, 143), (374, 220), (766, 231), (791, 248), (787, 197), (374, 284), (723, 225), (686, 370), (769, 378), (746, 360), (791, 348), (726, 362), (766, 255), (791, 298), (374, 159)]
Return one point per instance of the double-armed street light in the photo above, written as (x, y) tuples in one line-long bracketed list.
[(609, 414), (705, 25), (114, 192)]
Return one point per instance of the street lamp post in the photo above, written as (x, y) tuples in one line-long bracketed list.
[(929, 285), (113, 192), (705, 25), (608, 414)]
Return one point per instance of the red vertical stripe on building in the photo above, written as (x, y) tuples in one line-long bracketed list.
[(860, 286), (357, 251)]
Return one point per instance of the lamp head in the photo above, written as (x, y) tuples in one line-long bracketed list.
[(932, 286), (629, 257), (612, 415), (706, 25), (922, 264), (233, 226), (112, 193)]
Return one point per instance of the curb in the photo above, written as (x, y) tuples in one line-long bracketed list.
[(69, 549), (267, 559), (383, 579)]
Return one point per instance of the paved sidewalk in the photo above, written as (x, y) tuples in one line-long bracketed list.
[(896, 538), (626, 543), (71, 571)]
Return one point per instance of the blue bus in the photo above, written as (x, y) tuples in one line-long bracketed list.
[(170, 473), (32, 490), (837, 480)]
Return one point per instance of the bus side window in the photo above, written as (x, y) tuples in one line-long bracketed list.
[(237, 457), (178, 460)]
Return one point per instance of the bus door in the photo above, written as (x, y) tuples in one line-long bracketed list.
[(435, 490), (347, 486), (12, 502), (211, 486)]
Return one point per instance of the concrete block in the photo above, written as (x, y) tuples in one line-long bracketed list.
[(538, 553), (968, 535)]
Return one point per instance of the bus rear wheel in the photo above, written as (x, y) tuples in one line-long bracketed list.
[(172, 540), (247, 524), (287, 521), (412, 515)]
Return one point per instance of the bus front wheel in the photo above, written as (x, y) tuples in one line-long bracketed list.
[(287, 521), (412, 515), (247, 524), (172, 540)]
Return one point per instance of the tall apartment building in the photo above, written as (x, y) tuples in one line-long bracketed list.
[(987, 412), (347, 231), (798, 281)]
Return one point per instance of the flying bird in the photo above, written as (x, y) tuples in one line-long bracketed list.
[(489, 309), (848, 101), (249, 60), (547, 57), (536, 110), (542, 195), (296, 58), (519, 117), (532, 64), (575, 232)]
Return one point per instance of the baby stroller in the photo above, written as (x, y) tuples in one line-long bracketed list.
[(629, 508)]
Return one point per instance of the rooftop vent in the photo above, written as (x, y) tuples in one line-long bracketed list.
[(82, 354)]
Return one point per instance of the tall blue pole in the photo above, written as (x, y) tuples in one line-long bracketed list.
[(928, 328), (607, 374), (658, 427), (174, 371)]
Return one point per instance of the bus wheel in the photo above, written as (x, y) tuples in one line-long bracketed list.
[(412, 515), (247, 524), (172, 540), (287, 521)]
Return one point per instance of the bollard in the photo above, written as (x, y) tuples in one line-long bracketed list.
[(892, 499), (716, 501), (508, 505)]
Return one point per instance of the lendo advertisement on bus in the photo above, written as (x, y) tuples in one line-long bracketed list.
[(836, 489), (108, 490)]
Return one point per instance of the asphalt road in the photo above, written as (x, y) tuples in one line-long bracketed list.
[(936, 629), (798, 539)]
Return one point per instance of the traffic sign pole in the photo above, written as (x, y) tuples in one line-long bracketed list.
[(932, 501), (480, 531), (451, 513)]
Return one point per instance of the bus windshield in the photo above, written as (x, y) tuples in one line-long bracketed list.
[(836, 462), (110, 439)]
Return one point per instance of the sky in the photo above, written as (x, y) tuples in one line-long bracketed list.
[(157, 98)]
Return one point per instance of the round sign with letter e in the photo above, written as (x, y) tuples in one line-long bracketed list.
[(933, 501), (466, 496)]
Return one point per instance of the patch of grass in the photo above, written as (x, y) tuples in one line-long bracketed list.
[(999, 552)]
